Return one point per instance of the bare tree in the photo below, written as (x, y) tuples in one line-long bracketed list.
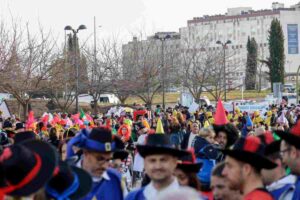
[(203, 66), (142, 64), (61, 86), (215, 82), (29, 64), (101, 62), (196, 62)]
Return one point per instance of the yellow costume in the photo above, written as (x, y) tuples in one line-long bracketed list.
[(268, 119), (257, 118)]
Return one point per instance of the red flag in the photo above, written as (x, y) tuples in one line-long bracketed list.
[(45, 119), (30, 121)]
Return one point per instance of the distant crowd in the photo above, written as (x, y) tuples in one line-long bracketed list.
[(161, 154)]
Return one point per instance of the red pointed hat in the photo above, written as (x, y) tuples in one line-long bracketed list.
[(220, 116), (293, 136)]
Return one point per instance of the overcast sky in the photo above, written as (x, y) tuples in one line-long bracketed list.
[(120, 17)]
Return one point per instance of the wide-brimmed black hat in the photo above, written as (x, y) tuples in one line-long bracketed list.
[(120, 154), (27, 167), (159, 144), (98, 140), (19, 125), (271, 146), (69, 183), (4, 141), (23, 136), (188, 163), (250, 150), (7, 125), (292, 136)]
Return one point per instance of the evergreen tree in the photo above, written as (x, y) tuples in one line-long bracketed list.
[(251, 67), (276, 48)]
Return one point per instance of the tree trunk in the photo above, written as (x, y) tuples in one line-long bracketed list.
[(25, 110), (95, 108)]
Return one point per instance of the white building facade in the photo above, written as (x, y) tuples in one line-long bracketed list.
[(240, 23)]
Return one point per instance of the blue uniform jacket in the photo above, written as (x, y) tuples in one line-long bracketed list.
[(297, 190), (136, 195), (107, 189)]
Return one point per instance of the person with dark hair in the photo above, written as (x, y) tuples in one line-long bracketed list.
[(280, 185), (220, 187), (226, 133), (186, 171), (62, 149), (53, 137), (243, 165), (290, 152)]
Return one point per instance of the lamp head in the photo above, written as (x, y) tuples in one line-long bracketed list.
[(81, 27), (68, 28), (228, 42)]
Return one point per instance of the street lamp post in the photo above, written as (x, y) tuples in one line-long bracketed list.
[(163, 39), (76, 47), (224, 45)]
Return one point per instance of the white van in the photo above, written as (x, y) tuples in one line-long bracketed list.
[(104, 98), (109, 98)]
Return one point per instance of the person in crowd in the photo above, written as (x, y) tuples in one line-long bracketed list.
[(19, 127), (188, 138), (53, 137), (160, 161), (290, 152), (68, 182), (220, 187), (138, 165), (186, 171), (226, 133), (26, 168), (280, 185), (208, 134), (243, 165), (62, 149), (183, 193), (98, 147)]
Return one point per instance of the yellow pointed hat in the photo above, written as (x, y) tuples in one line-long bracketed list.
[(159, 127), (206, 124)]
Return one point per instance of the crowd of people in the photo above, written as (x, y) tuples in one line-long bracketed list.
[(144, 154)]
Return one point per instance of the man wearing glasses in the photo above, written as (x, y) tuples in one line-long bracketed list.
[(290, 152), (280, 185), (97, 151)]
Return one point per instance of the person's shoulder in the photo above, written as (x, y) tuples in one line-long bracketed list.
[(259, 194), (114, 174), (73, 160), (136, 194)]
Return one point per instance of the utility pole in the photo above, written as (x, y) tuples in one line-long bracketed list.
[(224, 46), (76, 62)]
